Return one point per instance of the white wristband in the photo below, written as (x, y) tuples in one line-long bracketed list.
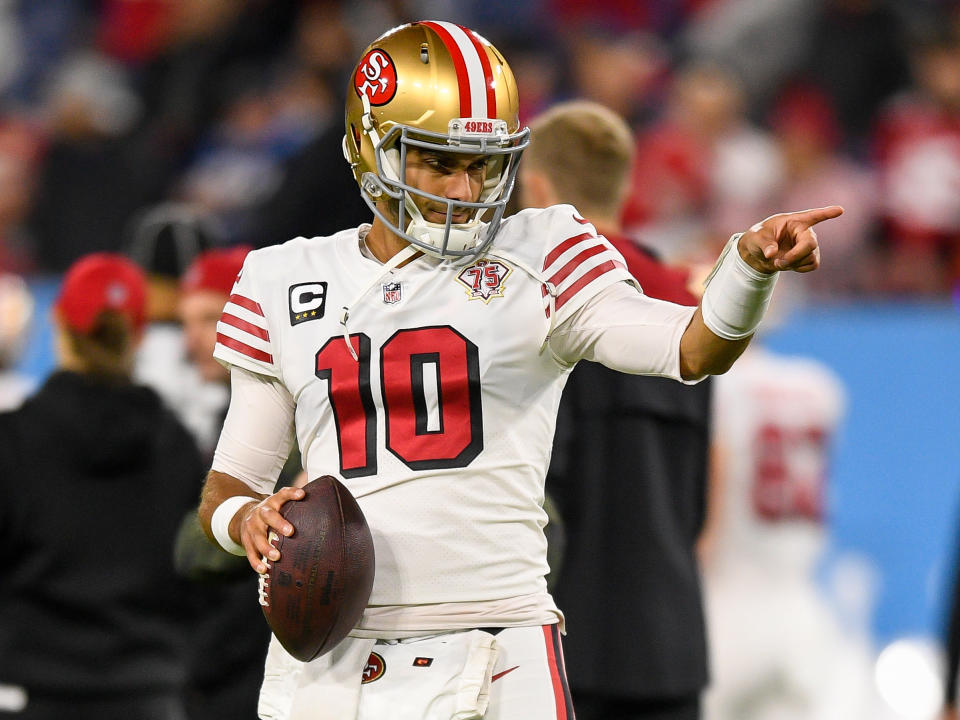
[(736, 295), (220, 522)]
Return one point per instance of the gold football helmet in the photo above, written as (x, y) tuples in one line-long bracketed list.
[(439, 86)]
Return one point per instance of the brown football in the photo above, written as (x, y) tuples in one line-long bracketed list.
[(316, 592)]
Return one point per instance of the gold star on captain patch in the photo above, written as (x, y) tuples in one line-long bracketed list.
[(313, 313)]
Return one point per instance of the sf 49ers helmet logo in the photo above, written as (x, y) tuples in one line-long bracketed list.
[(376, 77), (484, 279)]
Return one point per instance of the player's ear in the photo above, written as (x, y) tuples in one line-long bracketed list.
[(536, 189)]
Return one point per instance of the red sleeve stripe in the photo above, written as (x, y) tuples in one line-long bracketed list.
[(579, 284), (581, 220), (585, 280), (563, 247), (247, 303), (228, 319), (576, 261), (244, 349)]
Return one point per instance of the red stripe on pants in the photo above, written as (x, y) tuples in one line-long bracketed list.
[(558, 694)]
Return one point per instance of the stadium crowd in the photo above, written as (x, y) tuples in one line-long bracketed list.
[(108, 107)]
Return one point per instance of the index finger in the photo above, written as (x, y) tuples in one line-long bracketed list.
[(815, 215)]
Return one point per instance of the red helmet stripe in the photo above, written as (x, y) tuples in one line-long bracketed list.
[(463, 77), (487, 72)]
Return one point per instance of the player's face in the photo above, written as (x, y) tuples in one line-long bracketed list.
[(454, 176), (199, 312)]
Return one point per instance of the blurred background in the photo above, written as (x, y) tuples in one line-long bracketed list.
[(110, 109)]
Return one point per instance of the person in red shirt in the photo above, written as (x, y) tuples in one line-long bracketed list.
[(629, 466)]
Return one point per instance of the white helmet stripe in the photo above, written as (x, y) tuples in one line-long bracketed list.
[(460, 46)]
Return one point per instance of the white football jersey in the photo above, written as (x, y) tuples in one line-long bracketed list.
[(775, 419), (777, 649), (439, 414)]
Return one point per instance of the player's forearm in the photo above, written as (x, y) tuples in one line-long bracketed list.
[(703, 352), (218, 488)]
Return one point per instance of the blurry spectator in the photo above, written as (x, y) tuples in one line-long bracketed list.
[(237, 164), (315, 193), (95, 475), (629, 465), (11, 47), (164, 240), (208, 41), (655, 16), (702, 169), (16, 312), (19, 151), (134, 31), (271, 118), (228, 622), (90, 182), (817, 172), (856, 53), (619, 70), (45, 33), (776, 648), (917, 146), (539, 66), (762, 42)]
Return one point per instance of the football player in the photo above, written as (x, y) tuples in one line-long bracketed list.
[(777, 647), (420, 359)]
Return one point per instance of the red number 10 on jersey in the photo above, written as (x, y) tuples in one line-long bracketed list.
[(430, 385)]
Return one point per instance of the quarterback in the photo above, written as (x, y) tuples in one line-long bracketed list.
[(420, 359)]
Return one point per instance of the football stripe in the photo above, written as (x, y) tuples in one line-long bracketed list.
[(559, 695), (476, 78), (488, 82), (247, 315), (588, 277), (563, 247), (247, 303), (259, 332), (575, 262), (244, 349), (253, 340), (562, 670), (463, 76)]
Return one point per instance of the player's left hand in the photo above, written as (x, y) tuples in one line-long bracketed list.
[(786, 241)]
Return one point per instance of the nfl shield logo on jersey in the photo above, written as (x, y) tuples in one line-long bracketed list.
[(392, 293), (484, 279)]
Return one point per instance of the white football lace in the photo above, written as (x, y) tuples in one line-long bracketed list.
[(263, 589), (264, 581)]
